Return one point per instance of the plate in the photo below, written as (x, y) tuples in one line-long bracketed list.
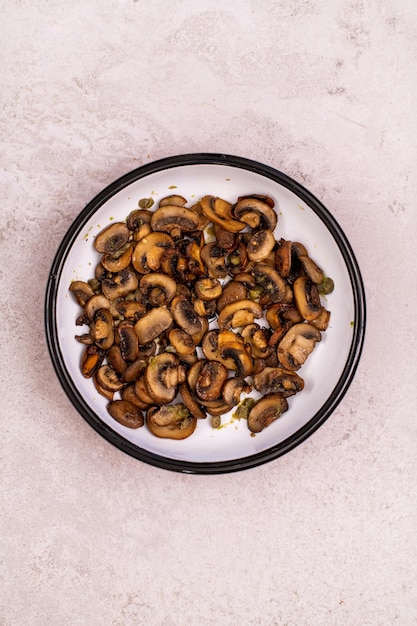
[(327, 373)]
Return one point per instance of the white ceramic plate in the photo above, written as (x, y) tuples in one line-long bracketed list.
[(301, 217)]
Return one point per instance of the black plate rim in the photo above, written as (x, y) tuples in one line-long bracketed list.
[(232, 465)]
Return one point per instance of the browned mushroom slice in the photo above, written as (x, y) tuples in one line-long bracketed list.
[(181, 341), (173, 200), (195, 264), (96, 303), (185, 316), (232, 291), (118, 261), (239, 313), (171, 422), (210, 380), (256, 211), (233, 389), (142, 392), (190, 401), (126, 413), (205, 308), (102, 329), (283, 258), (236, 351), (216, 407), (311, 269), (120, 284), (225, 239), (129, 393), (134, 370), (162, 376), (91, 359), (151, 325), (81, 291), (322, 321), (112, 238), (106, 393), (197, 337), (214, 259), (219, 211), (265, 411), (128, 341), (158, 288), (131, 309), (270, 281), (296, 345), (115, 359), (258, 340), (208, 288), (174, 220), (260, 245), (211, 350), (238, 260), (108, 378), (148, 251), (278, 380), (307, 298), (137, 218)]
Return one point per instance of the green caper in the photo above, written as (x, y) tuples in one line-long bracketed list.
[(146, 203), (326, 286), (216, 421)]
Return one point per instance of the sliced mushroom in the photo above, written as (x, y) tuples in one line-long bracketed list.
[(190, 401), (96, 303), (233, 389), (181, 341), (232, 292), (278, 380), (185, 316), (118, 261), (210, 380), (106, 393), (270, 281), (148, 251), (236, 351), (126, 413), (256, 211), (265, 411), (205, 308), (131, 309), (225, 238), (322, 321), (214, 259), (296, 345), (174, 220), (129, 393), (311, 269), (115, 359), (108, 378), (91, 359), (211, 349), (112, 238), (142, 392), (171, 422), (128, 341), (258, 340), (151, 325), (283, 258), (137, 218), (162, 376), (120, 284), (102, 329), (81, 291), (260, 245), (208, 288), (219, 211), (239, 313), (133, 370), (173, 200), (307, 298), (158, 288)]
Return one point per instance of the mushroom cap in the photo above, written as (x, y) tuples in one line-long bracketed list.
[(174, 220), (239, 313), (151, 325), (158, 287), (260, 245), (265, 411), (162, 376), (297, 344), (185, 316), (270, 280), (278, 380), (126, 413), (148, 251), (307, 298), (219, 211), (256, 211), (112, 238), (171, 422)]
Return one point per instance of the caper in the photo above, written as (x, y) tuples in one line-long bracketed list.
[(146, 203), (326, 286)]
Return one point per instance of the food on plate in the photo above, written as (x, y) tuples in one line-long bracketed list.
[(196, 309)]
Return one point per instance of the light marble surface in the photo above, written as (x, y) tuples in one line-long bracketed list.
[(324, 90)]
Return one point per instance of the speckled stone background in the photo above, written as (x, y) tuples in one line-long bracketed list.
[(324, 90)]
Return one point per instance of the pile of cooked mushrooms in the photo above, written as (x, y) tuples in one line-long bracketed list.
[(193, 307)]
